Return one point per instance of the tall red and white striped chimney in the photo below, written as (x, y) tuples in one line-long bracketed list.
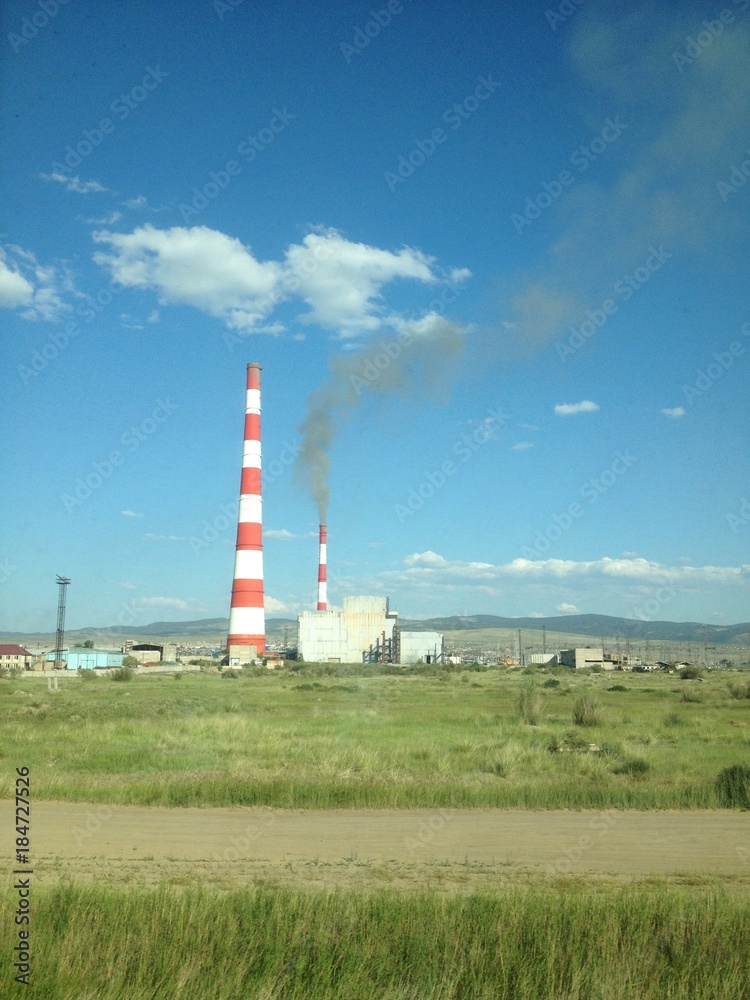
[(322, 576), (247, 623)]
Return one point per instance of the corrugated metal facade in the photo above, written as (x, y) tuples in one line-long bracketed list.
[(353, 635), (89, 659)]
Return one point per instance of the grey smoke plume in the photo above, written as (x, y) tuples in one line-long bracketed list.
[(416, 362)]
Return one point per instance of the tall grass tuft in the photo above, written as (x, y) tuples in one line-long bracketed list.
[(587, 711), (530, 703), (733, 786), (523, 944)]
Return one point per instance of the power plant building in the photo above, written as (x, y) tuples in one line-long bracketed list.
[(364, 631)]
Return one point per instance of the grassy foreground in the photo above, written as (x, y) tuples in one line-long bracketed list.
[(322, 737), (92, 943)]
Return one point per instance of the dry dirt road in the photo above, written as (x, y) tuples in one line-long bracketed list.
[(420, 848)]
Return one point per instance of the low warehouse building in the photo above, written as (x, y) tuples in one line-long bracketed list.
[(581, 658), (88, 659)]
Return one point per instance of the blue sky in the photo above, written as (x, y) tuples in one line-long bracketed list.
[(498, 255)]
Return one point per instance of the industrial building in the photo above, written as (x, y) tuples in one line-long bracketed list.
[(88, 659), (581, 658), (150, 653), (364, 631)]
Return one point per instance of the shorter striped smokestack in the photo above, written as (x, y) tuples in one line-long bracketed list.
[(322, 584)]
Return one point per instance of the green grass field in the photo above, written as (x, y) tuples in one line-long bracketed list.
[(335, 737), (98, 943)]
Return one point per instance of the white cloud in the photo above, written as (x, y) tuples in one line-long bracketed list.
[(37, 288), (75, 183), (164, 538), (105, 220), (431, 568), (341, 281), (273, 606), (128, 586), (279, 534), (521, 446), (153, 316), (139, 202), (567, 409), (675, 413), (161, 602), (536, 614), (15, 290), (566, 608), (198, 267), (130, 513), (338, 281)]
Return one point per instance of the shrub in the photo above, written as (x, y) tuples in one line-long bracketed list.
[(733, 786), (739, 691), (552, 682), (177, 675), (122, 674), (690, 694), (617, 687), (229, 673), (587, 711), (87, 675), (634, 767), (673, 719), (530, 703), (691, 674)]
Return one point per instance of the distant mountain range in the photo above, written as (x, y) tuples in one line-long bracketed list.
[(596, 626)]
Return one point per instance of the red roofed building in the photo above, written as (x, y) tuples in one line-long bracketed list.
[(15, 656)]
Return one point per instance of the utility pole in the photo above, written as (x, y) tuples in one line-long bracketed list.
[(520, 650), (544, 639), (62, 583)]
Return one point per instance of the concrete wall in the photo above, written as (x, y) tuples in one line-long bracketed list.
[(424, 647), (581, 658)]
